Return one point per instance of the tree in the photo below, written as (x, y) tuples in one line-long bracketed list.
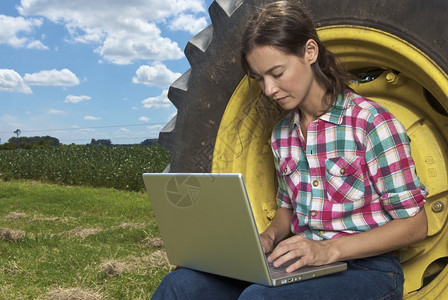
[(101, 142), (150, 142), (35, 142)]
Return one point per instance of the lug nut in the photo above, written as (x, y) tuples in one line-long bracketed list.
[(394, 79), (437, 206)]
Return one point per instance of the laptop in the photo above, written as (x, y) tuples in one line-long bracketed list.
[(206, 224)]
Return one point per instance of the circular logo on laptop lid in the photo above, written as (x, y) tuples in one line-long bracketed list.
[(183, 191)]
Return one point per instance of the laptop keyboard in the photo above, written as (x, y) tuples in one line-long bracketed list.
[(279, 269)]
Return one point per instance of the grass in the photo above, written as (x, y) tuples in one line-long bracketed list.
[(67, 242)]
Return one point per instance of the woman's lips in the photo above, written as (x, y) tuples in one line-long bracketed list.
[(281, 99)]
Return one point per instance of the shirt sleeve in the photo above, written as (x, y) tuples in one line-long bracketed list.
[(391, 167)]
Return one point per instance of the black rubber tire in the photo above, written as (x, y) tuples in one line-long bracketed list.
[(201, 94)]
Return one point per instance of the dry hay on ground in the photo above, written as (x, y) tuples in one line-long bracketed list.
[(11, 235), (42, 218), (21, 215), (153, 242), (15, 215), (132, 225), (113, 267), (84, 232), (159, 259), (141, 265), (73, 294)]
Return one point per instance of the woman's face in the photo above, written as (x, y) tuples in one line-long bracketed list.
[(287, 79)]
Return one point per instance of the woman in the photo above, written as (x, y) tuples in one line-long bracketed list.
[(348, 190)]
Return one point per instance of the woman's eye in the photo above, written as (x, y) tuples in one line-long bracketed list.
[(277, 75)]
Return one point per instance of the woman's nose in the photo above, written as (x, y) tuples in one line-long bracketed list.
[(270, 88)]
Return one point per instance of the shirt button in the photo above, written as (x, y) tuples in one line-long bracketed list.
[(315, 183), (342, 171), (313, 213), (285, 171)]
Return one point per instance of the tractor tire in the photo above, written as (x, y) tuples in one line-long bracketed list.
[(399, 48)]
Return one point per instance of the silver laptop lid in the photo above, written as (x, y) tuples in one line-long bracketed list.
[(206, 225)]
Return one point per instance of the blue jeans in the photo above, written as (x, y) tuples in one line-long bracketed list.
[(378, 277)]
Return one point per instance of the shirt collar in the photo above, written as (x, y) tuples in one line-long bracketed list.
[(334, 116)]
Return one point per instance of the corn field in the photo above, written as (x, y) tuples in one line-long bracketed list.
[(98, 166)]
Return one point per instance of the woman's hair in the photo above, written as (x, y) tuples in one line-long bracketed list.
[(286, 26)]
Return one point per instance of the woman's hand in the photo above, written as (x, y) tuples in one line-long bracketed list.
[(301, 250), (267, 242), (277, 230), (393, 235)]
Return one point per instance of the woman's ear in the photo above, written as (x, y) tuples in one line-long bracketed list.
[(311, 51)]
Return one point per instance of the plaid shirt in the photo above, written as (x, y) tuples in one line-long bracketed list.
[(354, 172)]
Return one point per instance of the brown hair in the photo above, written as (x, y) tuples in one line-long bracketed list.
[(286, 26)]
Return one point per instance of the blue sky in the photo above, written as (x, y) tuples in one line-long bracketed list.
[(92, 69)]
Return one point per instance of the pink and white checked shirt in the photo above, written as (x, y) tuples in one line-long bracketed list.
[(354, 172)]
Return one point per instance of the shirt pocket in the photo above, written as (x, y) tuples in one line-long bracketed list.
[(345, 179), (288, 165)]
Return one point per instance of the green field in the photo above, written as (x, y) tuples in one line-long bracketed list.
[(98, 166), (75, 223), (71, 242)]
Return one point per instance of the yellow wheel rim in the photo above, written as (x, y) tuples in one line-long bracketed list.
[(401, 88), (412, 87)]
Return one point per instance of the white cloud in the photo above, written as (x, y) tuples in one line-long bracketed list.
[(188, 23), (157, 102), (122, 131), (56, 112), (92, 118), (125, 31), (124, 47), (53, 77), (90, 12), (157, 75), (36, 45), (154, 129), (13, 30), (144, 119), (11, 81), (76, 99)]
